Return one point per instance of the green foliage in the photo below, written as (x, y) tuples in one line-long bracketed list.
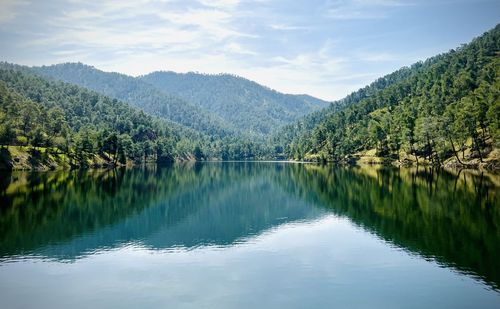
[(245, 105), (434, 109), (87, 126), (227, 117), (444, 107), (79, 122), (139, 94)]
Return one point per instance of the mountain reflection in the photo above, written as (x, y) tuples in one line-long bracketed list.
[(453, 218), (67, 214)]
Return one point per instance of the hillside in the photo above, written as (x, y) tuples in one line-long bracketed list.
[(139, 94), (46, 124), (305, 125), (49, 124), (216, 105), (445, 110), (240, 102)]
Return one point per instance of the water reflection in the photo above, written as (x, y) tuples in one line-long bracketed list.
[(452, 218)]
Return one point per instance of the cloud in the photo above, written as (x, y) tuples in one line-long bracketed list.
[(238, 49), (346, 14), (221, 4), (388, 57), (10, 9), (137, 38), (362, 9), (211, 22), (377, 56), (317, 72), (286, 27), (384, 3), (144, 27), (298, 46)]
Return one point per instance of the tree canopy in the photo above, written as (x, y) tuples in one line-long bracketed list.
[(432, 110)]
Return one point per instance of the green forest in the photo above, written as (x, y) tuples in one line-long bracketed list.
[(445, 107), (444, 111)]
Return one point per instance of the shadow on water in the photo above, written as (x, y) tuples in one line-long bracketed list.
[(452, 218)]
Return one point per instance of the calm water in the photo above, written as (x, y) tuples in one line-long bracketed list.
[(249, 235)]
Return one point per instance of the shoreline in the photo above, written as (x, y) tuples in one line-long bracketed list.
[(23, 158)]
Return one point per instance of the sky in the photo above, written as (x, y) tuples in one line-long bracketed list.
[(325, 48)]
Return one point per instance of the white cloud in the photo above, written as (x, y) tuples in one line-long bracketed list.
[(210, 22), (376, 57), (124, 26), (362, 9), (386, 3), (221, 4), (9, 9), (82, 14), (238, 49), (346, 14), (266, 41), (382, 56), (286, 27)]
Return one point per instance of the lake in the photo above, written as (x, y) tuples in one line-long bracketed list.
[(250, 235)]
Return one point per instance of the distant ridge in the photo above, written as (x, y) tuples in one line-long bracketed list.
[(237, 100), (216, 105)]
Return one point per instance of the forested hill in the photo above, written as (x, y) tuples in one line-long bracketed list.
[(139, 94), (239, 101), (51, 124), (304, 126), (446, 107), (46, 123), (216, 105), (445, 110)]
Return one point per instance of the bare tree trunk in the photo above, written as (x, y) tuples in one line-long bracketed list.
[(429, 148), (412, 150), (478, 150), (454, 151)]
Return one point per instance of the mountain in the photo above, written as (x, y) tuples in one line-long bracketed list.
[(46, 124), (443, 111), (240, 102), (139, 94), (49, 124), (447, 106), (305, 125)]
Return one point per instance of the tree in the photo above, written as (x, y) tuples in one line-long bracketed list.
[(198, 153), (7, 134)]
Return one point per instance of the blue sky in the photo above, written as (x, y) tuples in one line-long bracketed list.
[(323, 48)]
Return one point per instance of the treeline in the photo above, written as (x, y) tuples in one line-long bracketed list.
[(434, 110)]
